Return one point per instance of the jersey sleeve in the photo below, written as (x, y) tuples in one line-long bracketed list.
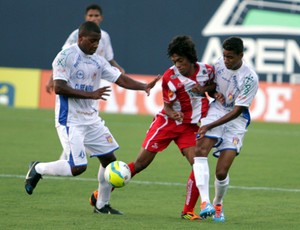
[(108, 50), (210, 73), (110, 73), (60, 66), (168, 89), (248, 90)]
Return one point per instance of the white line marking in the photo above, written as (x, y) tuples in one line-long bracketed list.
[(156, 183)]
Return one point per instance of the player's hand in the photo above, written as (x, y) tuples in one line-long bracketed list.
[(201, 131), (197, 88), (50, 86), (150, 85), (219, 97), (177, 116), (101, 92)]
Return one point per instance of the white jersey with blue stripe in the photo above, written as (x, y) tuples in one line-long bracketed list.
[(238, 86), (82, 72)]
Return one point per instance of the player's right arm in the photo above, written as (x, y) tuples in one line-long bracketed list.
[(61, 88)]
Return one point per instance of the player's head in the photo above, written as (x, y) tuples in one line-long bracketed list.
[(233, 51), (94, 14), (88, 37), (183, 54)]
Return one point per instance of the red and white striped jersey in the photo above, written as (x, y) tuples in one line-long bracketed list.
[(177, 89)]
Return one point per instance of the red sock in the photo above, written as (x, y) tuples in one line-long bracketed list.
[(192, 194), (132, 170)]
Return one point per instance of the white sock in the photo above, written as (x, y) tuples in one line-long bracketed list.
[(220, 190), (201, 171), (55, 168), (104, 189)]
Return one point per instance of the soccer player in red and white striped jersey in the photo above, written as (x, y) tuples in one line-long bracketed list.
[(184, 87)]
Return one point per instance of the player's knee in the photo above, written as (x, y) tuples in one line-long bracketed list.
[(201, 151), (221, 174), (77, 170)]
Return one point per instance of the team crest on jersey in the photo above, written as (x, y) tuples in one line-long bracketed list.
[(109, 139), (173, 76), (80, 74)]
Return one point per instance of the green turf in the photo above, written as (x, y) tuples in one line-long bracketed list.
[(264, 192)]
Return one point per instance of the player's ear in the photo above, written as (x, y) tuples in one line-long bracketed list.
[(241, 55), (79, 40)]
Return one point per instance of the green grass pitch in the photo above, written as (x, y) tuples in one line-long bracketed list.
[(264, 190)]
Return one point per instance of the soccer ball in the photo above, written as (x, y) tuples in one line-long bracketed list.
[(117, 173)]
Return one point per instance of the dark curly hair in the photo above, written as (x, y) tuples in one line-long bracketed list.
[(183, 46)]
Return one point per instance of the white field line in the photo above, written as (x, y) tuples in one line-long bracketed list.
[(156, 183)]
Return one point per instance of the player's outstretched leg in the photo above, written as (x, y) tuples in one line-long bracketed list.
[(32, 178)]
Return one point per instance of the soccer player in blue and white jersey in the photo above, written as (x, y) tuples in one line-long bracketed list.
[(225, 125), (93, 13), (77, 72)]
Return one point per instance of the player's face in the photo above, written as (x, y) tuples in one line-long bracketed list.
[(89, 43), (94, 16), (232, 60), (184, 66)]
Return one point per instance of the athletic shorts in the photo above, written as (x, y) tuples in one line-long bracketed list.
[(95, 139), (164, 130), (229, 135)]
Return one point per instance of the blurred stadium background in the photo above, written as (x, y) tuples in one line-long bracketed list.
[(33, 32), (264, 191)]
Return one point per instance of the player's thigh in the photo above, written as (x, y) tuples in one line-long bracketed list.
[(160, 134)]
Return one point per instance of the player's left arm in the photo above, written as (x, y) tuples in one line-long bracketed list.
[(129, 83), (237, 110), (114, 63)]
